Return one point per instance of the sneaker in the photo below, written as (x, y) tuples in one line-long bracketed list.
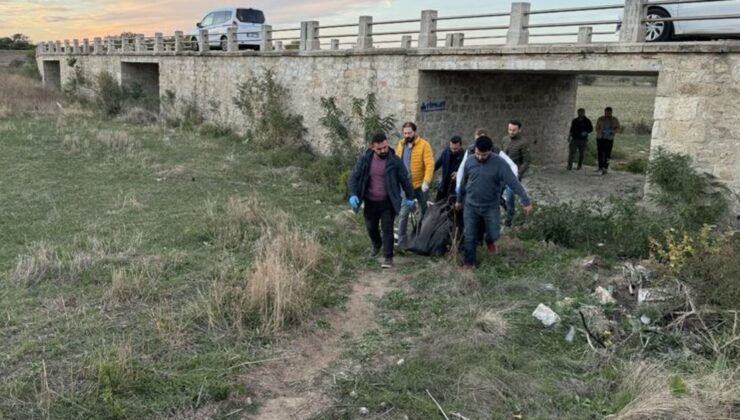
[(604, 171), (491, 248), (387, 263), (578, 168), (468, 268), (374, 251)]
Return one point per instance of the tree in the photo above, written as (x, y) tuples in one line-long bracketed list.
[(16, 42)]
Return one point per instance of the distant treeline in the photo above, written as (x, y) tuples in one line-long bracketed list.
[(15, 42)]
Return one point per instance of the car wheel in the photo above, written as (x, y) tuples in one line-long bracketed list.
[(658, 31), (224, 43), (194, 44)]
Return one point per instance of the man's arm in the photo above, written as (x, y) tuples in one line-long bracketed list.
[(572, 130), (354, 179), (513, 182), (440, 160), (526, 159), (428, 157), (463, 181), (599, 127), (617, 126), (589, 126), (405, 181)]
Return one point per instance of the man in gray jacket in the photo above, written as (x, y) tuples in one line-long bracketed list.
[(479, 197)]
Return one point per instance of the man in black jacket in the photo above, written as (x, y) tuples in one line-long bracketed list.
[(580, 128), (449, 160), (377, 179)]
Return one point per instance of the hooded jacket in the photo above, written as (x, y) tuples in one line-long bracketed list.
[(396, 178)]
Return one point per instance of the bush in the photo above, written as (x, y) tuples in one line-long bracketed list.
[(689, 198), (643, 127), (262, 100), (108, 94)]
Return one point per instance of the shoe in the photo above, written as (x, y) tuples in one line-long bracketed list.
[(468, 268), (578, 168), (597, 170), (387, 263), (604, 171), (491, 248), (374, 251)]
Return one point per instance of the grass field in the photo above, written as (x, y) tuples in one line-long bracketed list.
[(131, 256)]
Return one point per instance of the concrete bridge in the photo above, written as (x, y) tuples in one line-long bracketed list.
[(450, 89)]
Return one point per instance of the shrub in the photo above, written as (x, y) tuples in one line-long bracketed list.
[(690, 199), (108, 94), (643, 127), (263, 101)]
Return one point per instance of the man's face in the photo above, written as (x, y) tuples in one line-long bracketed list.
[(455, 148), (513, 130), (409, 134), (581, 114), (482, 156), (381, 149), (608, 113)]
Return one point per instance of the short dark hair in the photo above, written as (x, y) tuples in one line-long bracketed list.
[(456, 140), (481, 132), (516, 123), (581, 110), (409, 124), (608, 109), (484, 143), (379, 137)]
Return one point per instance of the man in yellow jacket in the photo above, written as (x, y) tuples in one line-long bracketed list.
[(416, 154)]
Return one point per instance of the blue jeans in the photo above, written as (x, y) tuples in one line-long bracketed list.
[(472, 218), (510, 207), (403, 222)]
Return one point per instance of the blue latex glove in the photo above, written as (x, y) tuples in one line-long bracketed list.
[(409, 204), (584, 134), (354, 202)]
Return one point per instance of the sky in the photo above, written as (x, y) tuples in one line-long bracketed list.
[(46, 20)]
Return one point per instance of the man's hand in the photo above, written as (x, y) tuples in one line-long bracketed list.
[(425, 187), (409, 204), (453, 176), (458, 206), (529, 210), (354, 202)]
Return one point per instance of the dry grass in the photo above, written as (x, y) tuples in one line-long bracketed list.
[(238, 222), (23, 96), (41, 262), (493, 323), (118, 143), (278, 287), (658, 394)]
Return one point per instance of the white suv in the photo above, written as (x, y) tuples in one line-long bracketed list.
[(248, 24)]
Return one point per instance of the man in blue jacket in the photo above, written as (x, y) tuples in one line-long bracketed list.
[(483, 178), (449, 160), (377, 180)]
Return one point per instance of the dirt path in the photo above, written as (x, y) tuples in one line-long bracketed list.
[(294, 387)]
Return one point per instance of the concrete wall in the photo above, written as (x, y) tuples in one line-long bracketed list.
[(697, 109), (544, 103)]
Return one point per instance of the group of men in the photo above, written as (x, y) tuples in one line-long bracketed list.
[(607, 126), (390, 182)]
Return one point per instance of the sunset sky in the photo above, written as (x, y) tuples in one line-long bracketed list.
[(44, 20)]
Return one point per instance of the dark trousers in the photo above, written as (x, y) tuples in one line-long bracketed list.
[(604, 150), (474, 217), (380, 213), (577, 148)]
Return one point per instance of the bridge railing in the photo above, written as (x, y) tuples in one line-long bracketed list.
[(516, 27)]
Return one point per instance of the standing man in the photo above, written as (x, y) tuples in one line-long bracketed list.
[(418, 159), (518, 148), (479, 197), (449, 160), (607, 127), (377, 179), (580, 128)]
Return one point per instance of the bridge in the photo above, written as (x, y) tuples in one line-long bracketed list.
[(449, 79)]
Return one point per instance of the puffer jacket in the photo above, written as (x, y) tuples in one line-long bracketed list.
[(422, 161)]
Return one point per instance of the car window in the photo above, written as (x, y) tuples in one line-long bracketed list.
[(250, 15), (208, 20), (221, 18)]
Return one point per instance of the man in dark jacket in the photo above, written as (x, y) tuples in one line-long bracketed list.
[(449, 160), (518, 147), (377, 179), (580, 128), (483, 179)]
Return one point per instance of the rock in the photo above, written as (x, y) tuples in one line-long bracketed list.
[(566, 302), (249, 401), (317, 202), (647, 295), (571, 335), (549, 287), (400, 362), (593, 262), (353, 394), (596, 321), (645, 319), (604, 297), (547, 316), (364, 411)]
